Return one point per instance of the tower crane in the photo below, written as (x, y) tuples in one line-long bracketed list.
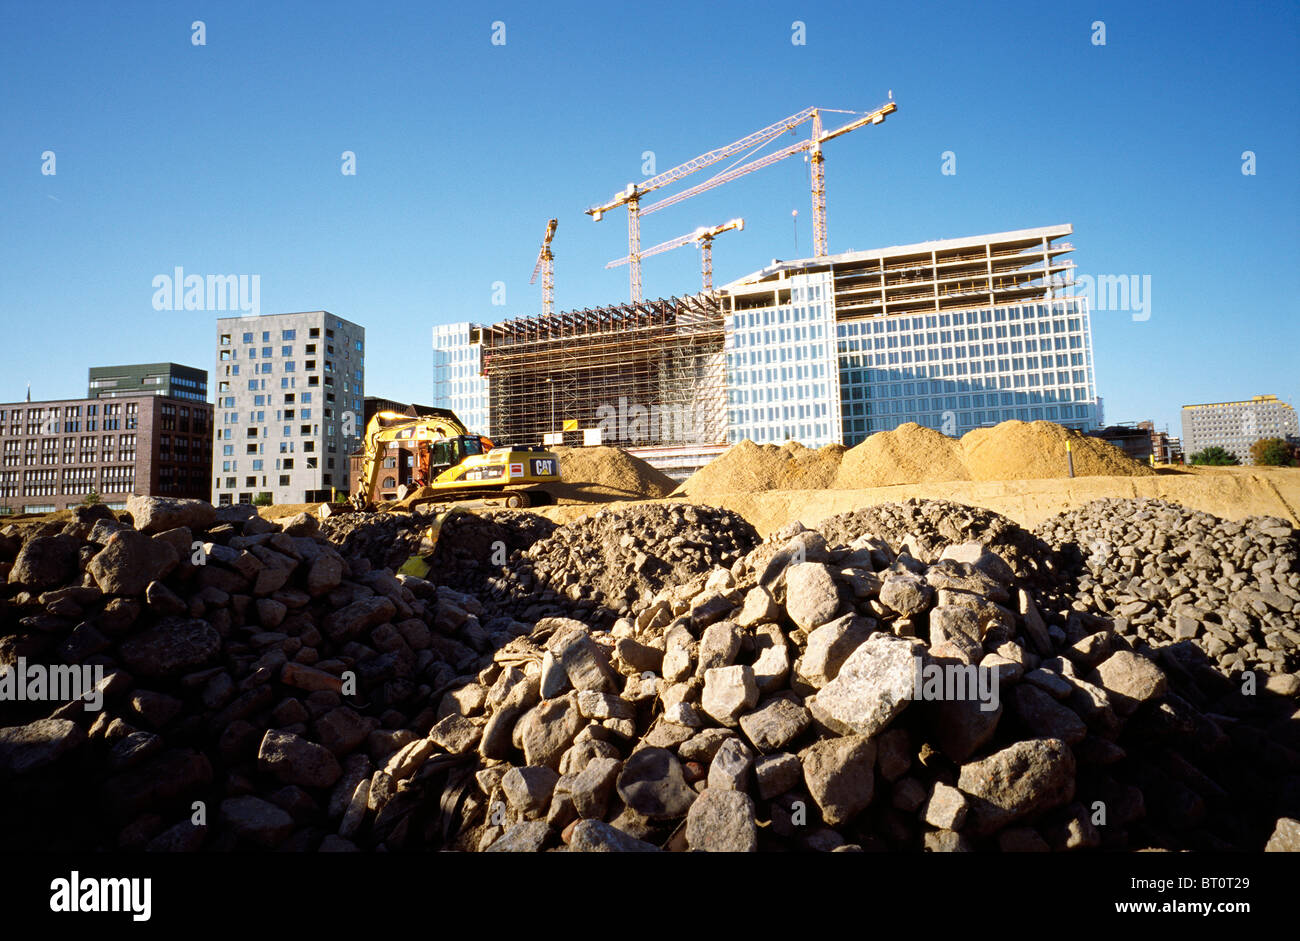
[(546, 265), (631, 197), (813, 144), (703, 235)]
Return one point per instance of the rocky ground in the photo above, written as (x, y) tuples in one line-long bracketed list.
[(655, 677)]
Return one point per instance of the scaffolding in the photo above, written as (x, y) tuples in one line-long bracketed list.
[(645, 373)]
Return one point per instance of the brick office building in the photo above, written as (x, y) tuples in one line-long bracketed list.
[(55, 453)]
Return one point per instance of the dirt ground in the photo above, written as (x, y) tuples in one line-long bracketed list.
[(1227, 492)]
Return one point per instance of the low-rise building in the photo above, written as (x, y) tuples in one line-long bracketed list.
[(56, 453)]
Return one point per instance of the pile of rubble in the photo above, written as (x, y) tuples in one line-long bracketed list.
[(1164, 574), (913, 677), (599, 567), (463, 550)]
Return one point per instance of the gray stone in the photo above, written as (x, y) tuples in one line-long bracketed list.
[(722, 821), (258, 821), (526, 837), (758, 608), (585, 662), (1285, 838), (595, 836), (156, 514), (294, 760), (982, 559), (704, 745), (346, 623), (593, 704), (777, 774), (962, 726), (528, 790), (729, 692), (652, 784), (906, 594), (946, 809), (1132, 679), (1018, 782), (956, 632), (779, 722), (456, 734), (548, 729), (1045, 717), (718, 647), (129, 561), (25, 748), (811, 595), (839, 775), (171, 647), (45, 562), (731, 766), (590, 788), (872, 687), (830, 645)]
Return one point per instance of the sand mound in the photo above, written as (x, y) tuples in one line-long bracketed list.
[(749, 468), (1017, 450), (910, 454), (600, 474)]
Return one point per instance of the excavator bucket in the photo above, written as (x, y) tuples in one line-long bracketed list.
[(419, 565)]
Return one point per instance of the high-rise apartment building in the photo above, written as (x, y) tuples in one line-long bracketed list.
[(289, 391), (1235, 426)]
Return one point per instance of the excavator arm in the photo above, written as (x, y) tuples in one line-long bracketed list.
[(385, 427)]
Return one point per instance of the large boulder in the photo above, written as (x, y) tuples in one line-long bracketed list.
[(171, 647), (1018, 782), (45, 562), (129, 561), (156, 514)]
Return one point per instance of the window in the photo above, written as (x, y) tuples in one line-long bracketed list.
[(288, 335)]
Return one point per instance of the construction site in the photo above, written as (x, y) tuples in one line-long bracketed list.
[(893, 597)]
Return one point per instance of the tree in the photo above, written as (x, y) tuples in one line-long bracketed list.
[(1272, 452), (262, 499), (1214, 456), (91, 498)]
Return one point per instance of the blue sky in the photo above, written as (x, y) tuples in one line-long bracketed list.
[(225, 159)]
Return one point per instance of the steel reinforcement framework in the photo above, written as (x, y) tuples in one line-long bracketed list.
[(650, 372)]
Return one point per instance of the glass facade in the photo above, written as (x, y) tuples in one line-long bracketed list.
[(959, 370), (781, 369), (457, 380)]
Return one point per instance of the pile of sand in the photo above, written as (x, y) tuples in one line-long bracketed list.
[(1017, 450), (910, 454), (600, 474), (750, 468)]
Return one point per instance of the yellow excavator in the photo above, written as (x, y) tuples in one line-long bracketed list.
[(433, 458)]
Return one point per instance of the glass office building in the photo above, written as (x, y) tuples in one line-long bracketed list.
[(458, 383), (781, 367), (954, 334)]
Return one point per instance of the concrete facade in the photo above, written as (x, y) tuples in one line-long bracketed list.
[(1235, 426), (289, 391)]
